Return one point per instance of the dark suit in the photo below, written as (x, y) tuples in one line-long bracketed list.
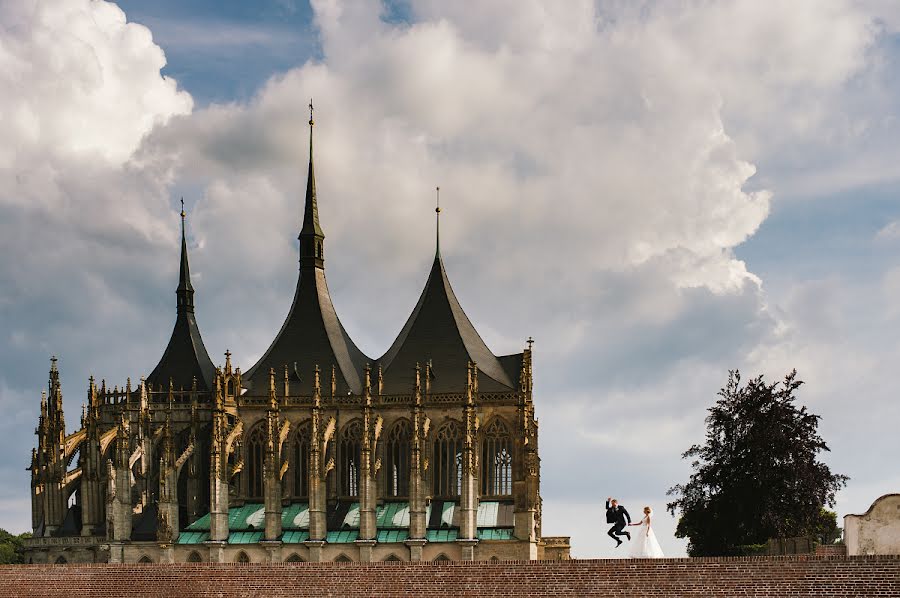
[(619, 517)]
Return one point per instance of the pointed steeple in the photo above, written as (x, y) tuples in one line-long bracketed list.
[(439, 330), (312, 239), (185, 357), (185, 291), (312, 334), (437, 226)]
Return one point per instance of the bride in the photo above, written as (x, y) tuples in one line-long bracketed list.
[(644, 545)]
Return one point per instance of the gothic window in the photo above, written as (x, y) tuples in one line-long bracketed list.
[(343, 558), (294, 558), (351, 456), (256, 456), (398, 459), (447, 460), (496, 460), (61, 560), (301, 461), (441, 558), (145, 559), (194, 557), (392, 558), (242, 557)]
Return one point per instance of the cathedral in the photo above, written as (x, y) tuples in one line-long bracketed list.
[(315, 453)]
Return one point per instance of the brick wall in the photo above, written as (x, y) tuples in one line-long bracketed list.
[(817, 576)]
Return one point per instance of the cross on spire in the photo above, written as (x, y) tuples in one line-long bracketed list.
[(310, 112), (437, 211)]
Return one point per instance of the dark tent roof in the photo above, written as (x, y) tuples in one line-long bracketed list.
[(439, 330), (185, 357), (312, 334)]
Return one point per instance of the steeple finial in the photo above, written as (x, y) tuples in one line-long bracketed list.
[(437, 211), (311, 235), (185, 291)]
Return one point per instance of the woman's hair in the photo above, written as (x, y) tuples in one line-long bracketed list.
[(648, 510)]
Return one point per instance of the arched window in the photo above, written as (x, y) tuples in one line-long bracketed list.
[(256, 453), (242, 557), (343, 558), (441, 558), (300, 465), (61, 560), (294, 558), (447, 460), (351, 455), (392, 558), (145, 559), (195, 557), (398, 458), (496, 460)]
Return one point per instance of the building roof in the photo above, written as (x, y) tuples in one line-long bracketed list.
[(312, 335), (185, 357), (439, 330), (246, 523)]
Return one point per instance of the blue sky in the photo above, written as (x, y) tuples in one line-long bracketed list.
[(657, 194)]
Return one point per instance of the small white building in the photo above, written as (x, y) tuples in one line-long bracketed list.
[(877, 531)]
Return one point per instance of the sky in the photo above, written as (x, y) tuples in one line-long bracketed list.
[(657, 192)]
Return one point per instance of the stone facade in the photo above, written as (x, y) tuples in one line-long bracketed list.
[(316, 453), (877, 531)]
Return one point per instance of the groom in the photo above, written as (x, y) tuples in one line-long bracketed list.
[(616, 514)]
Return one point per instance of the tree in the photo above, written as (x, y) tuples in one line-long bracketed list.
[(12, 547), (757, 476)]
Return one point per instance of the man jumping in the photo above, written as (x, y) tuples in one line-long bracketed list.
[(617, 515)]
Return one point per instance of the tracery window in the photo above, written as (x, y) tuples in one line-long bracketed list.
[(301, 460), (398, 458), (496, 460), (256, 453), (447, 460), (351, 456)]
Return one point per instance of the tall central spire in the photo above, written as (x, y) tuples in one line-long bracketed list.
[(437, 229), (185, 291), (312, 239)]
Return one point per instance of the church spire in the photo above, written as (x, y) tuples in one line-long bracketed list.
[(311, 236), (185, 357), (437, 229), (185, 291)]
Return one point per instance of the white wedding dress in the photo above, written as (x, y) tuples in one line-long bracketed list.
[(643, 541)]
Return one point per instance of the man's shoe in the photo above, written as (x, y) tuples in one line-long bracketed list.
[(628, 535), (619, 543)]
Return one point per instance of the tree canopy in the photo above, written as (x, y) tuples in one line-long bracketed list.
[(12, 547), (757, 476)]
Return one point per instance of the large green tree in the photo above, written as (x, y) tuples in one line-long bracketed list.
[(758, 475), (12, 547)]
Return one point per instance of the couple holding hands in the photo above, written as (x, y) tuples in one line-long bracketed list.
[(645, 545)]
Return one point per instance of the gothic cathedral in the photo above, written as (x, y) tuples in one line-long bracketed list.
[(315, 453)]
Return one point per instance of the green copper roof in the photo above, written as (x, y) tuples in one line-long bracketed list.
[(495, 534), (246, 523), (392, 535), (344, 537), (441, 535), (294, 537), (193, 537), (245, 537)]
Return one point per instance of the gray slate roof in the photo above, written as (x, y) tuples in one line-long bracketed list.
[(311, 335), (185, 357), (439, 330)]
